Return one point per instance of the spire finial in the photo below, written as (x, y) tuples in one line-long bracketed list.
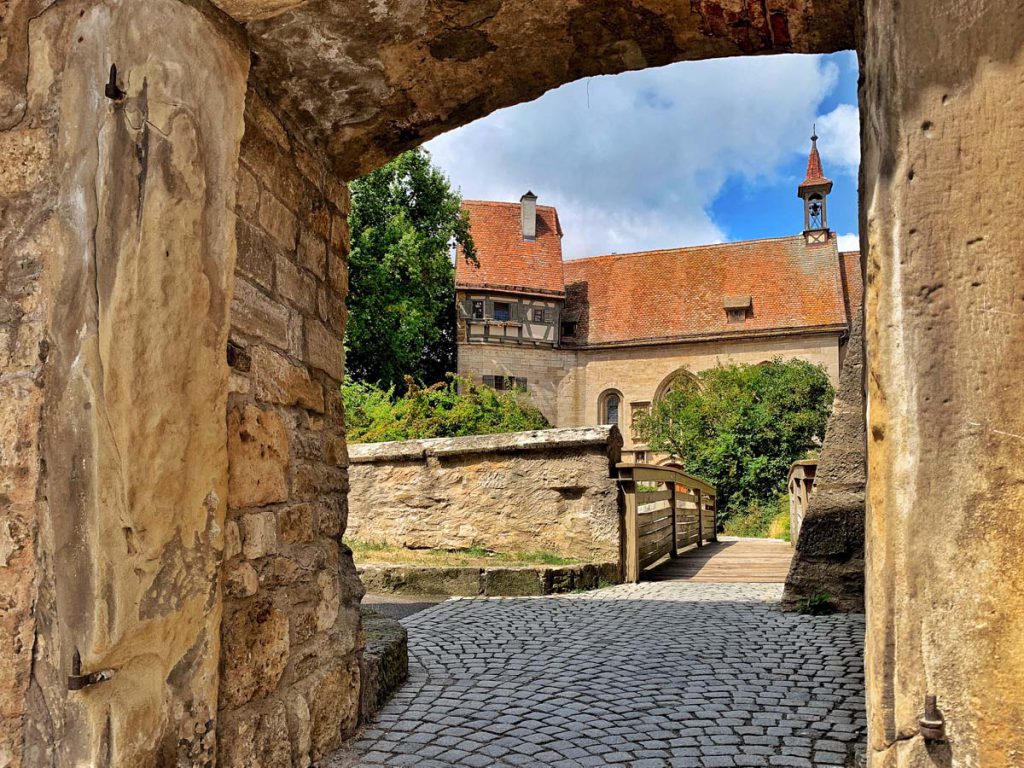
[(814, 133)]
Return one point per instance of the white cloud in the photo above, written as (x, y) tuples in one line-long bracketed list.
[(634, 161), (849, 242), (839, 133)]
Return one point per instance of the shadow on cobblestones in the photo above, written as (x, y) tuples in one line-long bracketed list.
[(648, 675)]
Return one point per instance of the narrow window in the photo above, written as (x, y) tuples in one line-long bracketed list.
[(478, 310), (502, 311), (538, 315), (569, 329), (609, 408)]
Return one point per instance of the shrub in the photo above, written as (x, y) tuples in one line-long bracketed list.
[(453, 408), (741, 427)]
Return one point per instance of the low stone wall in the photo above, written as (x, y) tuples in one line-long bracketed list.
[(544, 490), (385, 663), (521, 581)]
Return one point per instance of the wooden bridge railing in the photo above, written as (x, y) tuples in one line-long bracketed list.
[(665, 510)]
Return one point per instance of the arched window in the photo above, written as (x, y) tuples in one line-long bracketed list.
[(678, 378), (609, 407)]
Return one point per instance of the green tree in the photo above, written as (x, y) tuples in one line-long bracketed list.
[(742, 426), (405, 219), (452, 408)]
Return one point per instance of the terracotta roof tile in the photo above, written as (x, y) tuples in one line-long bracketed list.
[(506, 259), (815, 173), (682, 292), (853, 280)]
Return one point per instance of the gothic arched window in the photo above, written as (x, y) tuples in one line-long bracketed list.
[(609, 407)]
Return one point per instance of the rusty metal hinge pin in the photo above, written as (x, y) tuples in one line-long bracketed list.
[(77, 681), (932, 725)]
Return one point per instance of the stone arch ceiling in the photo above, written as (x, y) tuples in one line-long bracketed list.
[(365, 79)]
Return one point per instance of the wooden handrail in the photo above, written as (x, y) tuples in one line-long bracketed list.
[(656, 523)]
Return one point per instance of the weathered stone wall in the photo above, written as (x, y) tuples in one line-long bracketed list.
[(829, 556), (289, 687), (943, 123), (552, 490), (118, 249)]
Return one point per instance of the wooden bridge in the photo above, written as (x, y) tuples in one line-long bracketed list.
[(670, 523)]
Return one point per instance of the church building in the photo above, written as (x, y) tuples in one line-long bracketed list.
[(598, 340)]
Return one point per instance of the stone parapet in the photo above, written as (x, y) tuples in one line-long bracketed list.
[(549, 490)]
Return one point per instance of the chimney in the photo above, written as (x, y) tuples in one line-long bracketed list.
[(528, 207)]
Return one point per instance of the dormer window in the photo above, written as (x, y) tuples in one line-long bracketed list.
[(737, 308)]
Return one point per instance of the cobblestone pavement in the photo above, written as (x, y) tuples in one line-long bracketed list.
[(646, 676)]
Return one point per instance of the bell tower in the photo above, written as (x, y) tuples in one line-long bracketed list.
[(814, 192)]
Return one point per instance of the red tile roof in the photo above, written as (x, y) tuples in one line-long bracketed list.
[(506, 259), (681, 293), (853, 281)]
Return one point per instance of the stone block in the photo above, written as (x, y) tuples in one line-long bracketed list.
[(334, 706), (330, 518), (314, 480), (295, 524), (331, 309), (256, 254), (499, 582), (240, 580), (278, 381), (414, 580), (259, 534), (257, 458), (337, 271), (279, 572), (324, 349), (279, 222), (254, 314), (248, 194), (254, 652), (330, 600), (296, 286), (254, 737), (299, 729), (313, 253)]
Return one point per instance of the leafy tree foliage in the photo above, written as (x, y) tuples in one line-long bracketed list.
[(405, 219), (741, 427), (452, 408)]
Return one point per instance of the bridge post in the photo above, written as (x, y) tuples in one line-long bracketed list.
[(675, 530), (700, 517), (630, 534)]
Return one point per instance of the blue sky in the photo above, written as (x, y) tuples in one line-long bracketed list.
[(692, 153)]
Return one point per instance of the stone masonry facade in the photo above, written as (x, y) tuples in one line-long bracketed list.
[(291, 632)]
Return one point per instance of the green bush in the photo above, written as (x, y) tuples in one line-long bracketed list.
[(741, 427), (453, 408), (762, 520)]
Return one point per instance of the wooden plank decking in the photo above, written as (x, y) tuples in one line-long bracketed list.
[(728, 561)]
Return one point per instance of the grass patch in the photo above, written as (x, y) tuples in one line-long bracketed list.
[(377, 553), (761, 521)]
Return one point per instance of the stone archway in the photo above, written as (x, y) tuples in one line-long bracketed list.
[(111, 338)]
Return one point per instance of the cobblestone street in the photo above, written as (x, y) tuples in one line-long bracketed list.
[(648, 675)]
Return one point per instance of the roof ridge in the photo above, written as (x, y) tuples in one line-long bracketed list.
[(751, 241), (501, 203)]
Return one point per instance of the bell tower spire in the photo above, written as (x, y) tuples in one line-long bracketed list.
[(814, 192)]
